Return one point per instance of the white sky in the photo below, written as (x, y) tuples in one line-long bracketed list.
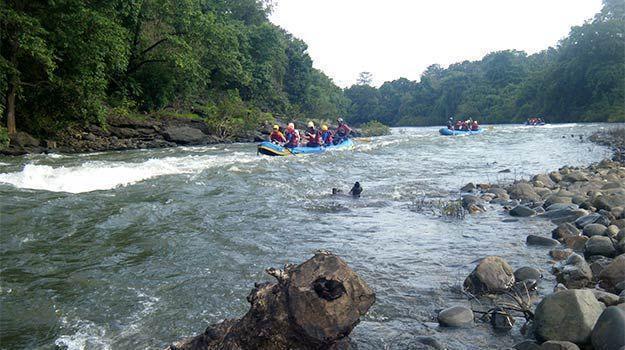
[(396, 38)]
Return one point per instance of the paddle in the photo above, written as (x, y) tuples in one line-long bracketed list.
[(363, 139), (289, 150)]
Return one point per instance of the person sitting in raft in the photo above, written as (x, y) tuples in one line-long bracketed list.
[(313, 136), (450, 123), (276, 136), (342, 132), (475, 126), (326, 135), (458, 125), (292, 136)]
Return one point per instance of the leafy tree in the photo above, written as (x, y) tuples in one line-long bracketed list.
[(23, 46), (579, 80), (365, 78)]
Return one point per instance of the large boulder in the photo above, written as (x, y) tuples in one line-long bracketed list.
[(577, 243), (22, 139), (522, 211), (492, 275), (555, 176), (613, 274), (313, 305), (555, 199), (594, 230), (184, 135), (544, 179), (593, 218), (609, 331), (558, 206), (457, 316), (600, 245), (597, 264), (527, 273), (574, 273), (468, 187), (498, 192), (608, 299), (524, 192), (560, 216), (575, 176), (564, 230), (560, 254), (469, 200), (540, 240), (612, 231), (568, 315), (609, 201)]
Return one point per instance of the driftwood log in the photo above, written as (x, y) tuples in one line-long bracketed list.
[(314, 305)]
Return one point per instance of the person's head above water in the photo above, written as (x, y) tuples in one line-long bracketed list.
[(356, 190)]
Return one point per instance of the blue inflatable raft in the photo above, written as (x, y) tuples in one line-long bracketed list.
[(272, 149), (448, 132)]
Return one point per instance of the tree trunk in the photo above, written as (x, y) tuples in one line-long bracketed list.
[(11, 92), (12, 83)]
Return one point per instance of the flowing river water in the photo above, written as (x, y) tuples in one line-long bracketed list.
[(136, 249)]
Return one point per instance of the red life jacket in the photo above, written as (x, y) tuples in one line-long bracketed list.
[(343, 130), (293, 138), (314, 137)]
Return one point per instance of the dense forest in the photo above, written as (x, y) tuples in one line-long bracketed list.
[(582, 79), (69, 62)]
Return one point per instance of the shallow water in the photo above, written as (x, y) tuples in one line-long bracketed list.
[(133, 250)]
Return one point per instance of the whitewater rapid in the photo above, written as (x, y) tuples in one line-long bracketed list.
[(105, 175)]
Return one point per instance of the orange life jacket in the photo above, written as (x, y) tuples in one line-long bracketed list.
[(276, 135)]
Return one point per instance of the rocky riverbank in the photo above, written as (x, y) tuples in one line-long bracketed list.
[(615, 139), (125, 133), (586, 309)]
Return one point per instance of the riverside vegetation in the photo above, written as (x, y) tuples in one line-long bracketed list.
[(587, 247), (71, 69)]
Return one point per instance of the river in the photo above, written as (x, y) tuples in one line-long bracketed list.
[(136, 249)]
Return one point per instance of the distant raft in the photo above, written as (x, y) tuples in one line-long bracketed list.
[(272, 149), (449, 132)]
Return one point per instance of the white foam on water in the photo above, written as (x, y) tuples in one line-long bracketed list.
[(88, 336), (100, 175), (1, 163), (198, 149), (55, 156), (375, 144)]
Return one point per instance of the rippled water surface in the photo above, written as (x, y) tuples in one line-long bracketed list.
[(133, 250)]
